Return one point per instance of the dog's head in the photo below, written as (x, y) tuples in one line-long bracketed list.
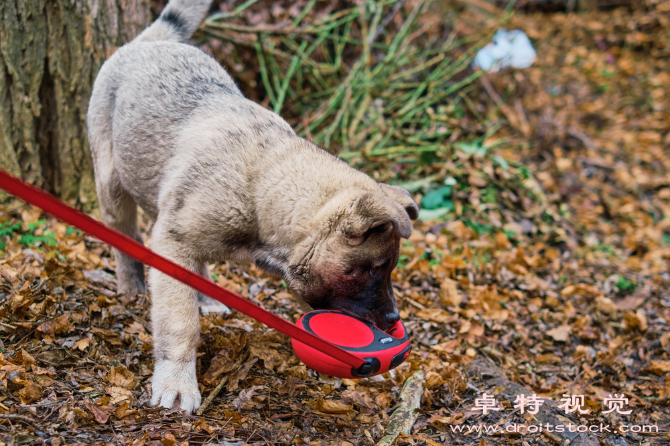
[(346, 264)]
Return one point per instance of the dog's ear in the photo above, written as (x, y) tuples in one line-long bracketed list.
[(373, 212), (402, 197)]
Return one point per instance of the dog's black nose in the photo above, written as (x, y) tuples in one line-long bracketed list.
[(392, 318)]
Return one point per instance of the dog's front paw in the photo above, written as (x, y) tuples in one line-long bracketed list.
[(175, 384)]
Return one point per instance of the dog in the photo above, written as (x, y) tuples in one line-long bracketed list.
[(223, 178)]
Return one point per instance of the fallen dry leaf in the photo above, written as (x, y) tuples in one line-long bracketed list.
[(30, 393), (659, 367), (100, 413), (434, 315), (244, 396), (551, 259), (118, 394), (332, 407), (561, 333)]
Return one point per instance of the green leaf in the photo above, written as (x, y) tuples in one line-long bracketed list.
[(438, 198), (625, 286), (472, 148), (8, 229), (434, 214)]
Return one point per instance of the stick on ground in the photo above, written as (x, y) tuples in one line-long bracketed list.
[(27, 420), (403, 418), (224, 380)]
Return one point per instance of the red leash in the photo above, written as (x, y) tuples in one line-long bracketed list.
[(138, 251)]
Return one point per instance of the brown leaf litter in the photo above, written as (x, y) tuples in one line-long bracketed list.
[(506, 298)]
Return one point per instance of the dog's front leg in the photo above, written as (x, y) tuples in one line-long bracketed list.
[(176, 327)]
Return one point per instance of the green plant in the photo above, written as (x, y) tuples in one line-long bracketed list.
[(402, 261), (625, 285), (357, 82), (7, 229), (438, 198), (70, 230), (372, 83), (479, 228), (27, 237)]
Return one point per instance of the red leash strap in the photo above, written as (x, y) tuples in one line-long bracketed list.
[(138, 251)]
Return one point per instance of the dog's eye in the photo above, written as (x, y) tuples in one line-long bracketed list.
[(377, 270), (359, 271), (354, 271)]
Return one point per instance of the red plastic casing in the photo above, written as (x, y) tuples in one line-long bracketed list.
[(385, 350)]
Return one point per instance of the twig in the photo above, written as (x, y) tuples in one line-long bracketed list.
[(552, 437), (252, 434), (512, 117), (205, 404), (583, 137), (265, 29), (403, 418), (484, 5), (572, 131), (523, 120), (656, 400), (647, 402), (387, 19), (224, 380), (23, 418)]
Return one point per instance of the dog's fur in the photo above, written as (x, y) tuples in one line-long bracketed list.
[(224, 178)]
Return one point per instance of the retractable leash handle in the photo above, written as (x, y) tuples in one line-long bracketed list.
[(138, 251)]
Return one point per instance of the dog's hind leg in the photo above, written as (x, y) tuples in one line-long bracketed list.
[(117, 207), (118, 210), (207, 304)]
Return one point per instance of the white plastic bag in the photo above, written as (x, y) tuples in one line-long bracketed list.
[(507, 49)]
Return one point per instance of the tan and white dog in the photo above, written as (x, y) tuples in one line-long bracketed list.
[(226, 179)]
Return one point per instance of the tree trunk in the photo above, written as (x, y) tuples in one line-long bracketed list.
[(50, 53)]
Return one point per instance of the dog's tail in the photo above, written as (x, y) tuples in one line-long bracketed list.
[(177, 22)]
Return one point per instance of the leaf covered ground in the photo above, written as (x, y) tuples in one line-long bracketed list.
[(542, 265)]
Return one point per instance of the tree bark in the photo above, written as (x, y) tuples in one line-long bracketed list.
[(50, 53)]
